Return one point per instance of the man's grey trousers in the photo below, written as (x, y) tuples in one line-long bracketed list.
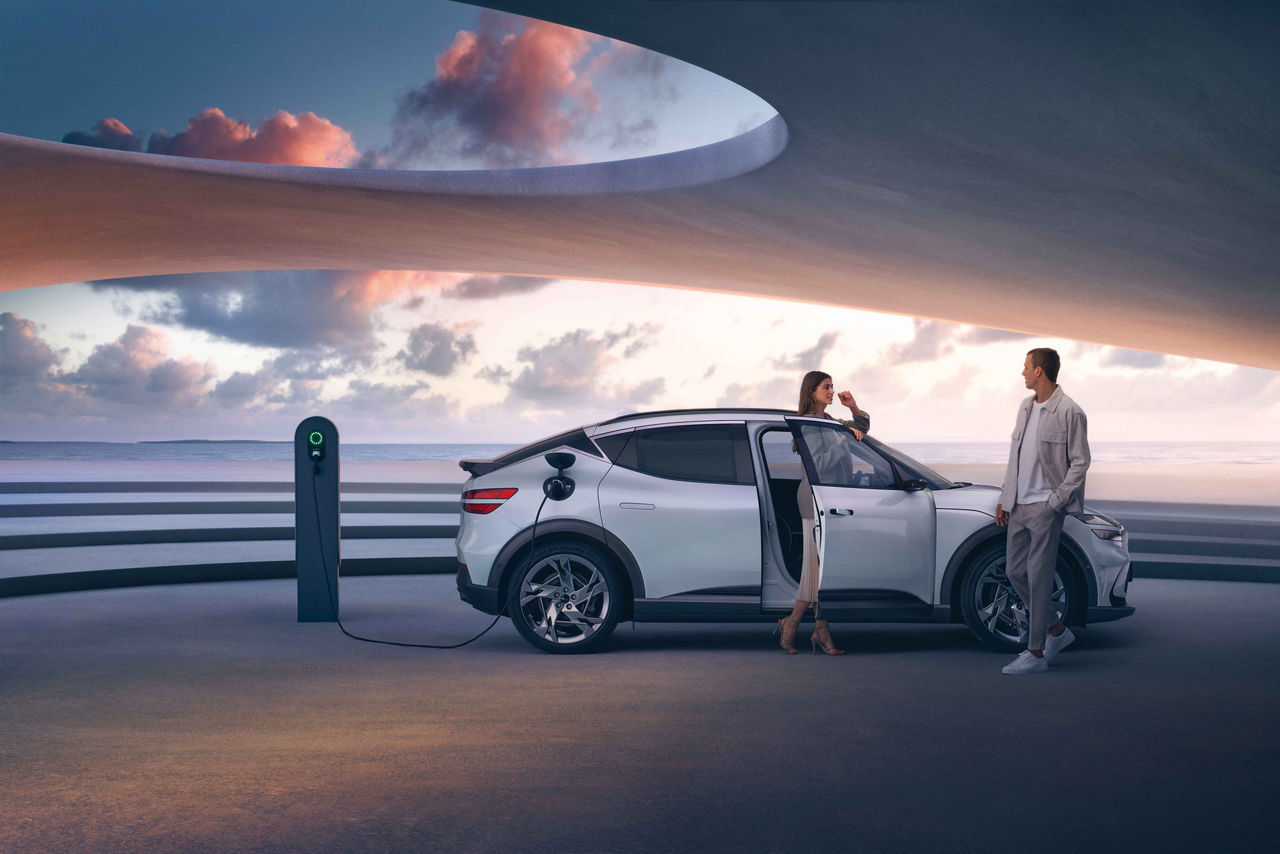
[(1031, 555)]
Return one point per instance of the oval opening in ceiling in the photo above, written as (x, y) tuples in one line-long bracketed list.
[(462, 99)]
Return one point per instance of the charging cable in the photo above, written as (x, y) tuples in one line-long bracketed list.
[(333, 604)]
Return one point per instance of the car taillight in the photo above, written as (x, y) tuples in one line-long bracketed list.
[(485, 500)]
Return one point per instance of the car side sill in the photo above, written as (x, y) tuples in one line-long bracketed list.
[(700, 609), (747, 609)]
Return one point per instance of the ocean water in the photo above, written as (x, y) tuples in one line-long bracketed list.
[(1223, 453)]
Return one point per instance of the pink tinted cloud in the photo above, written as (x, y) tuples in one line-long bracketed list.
[(136, 368), (302, 140), (107, 133), (513, 92)]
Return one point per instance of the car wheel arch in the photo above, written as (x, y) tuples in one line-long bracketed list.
[(973, 545), (518, 547)]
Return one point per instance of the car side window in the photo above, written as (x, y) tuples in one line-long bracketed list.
[(780, 455), (614, 446), (708, 453), (841, 460)]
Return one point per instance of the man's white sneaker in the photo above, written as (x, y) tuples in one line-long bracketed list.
[(1025, 663), (1054, 645)]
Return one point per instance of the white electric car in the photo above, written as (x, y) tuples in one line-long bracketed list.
[(692, 516)]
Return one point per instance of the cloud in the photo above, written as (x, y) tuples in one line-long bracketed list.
[(517, 92), (570, 370), (512, 92), (314, 363), (649, 79), (107, 133), (137, 386), (639, 338), (298, 140), (298, 391), (931, 340), (24, 355), (492, 287), (506, 94), (643, 392), (136, 369), (494, 374), (304, 309), (954, 386), (367, 395), (776, 393), (808, 360), (436, 349), (1248, 391), (1118, 357), (242, 388)]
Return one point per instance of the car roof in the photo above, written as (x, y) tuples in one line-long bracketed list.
[(691, 415)]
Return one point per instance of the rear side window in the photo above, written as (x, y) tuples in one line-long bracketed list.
[(709, 453), (614, 445)]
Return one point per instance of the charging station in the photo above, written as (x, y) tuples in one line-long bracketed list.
[(317, 531), (316, 519)]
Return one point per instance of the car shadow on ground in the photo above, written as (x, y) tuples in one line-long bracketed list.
[(855, 639)]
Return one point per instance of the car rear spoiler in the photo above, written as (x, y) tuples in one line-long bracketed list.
[(475, 468)]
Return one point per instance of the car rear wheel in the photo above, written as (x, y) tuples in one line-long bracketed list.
[(566, 597), (992, 609)]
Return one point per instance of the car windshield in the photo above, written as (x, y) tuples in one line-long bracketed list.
[(910, 468)]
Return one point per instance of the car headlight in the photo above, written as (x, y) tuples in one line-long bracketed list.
[(1113, 534), (1098, 519)]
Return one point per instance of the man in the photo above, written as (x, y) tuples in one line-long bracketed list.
[(1044, 482)]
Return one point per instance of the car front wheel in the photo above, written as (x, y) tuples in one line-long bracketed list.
[(992, 609), (566, 597)]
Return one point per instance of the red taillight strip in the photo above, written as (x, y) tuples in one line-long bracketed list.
[(488, 493), (483, 500)]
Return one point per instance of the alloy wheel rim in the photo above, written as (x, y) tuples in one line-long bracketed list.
[(1000, 608), (564, 599)]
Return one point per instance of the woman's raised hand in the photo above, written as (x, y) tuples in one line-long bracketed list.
[(846, 398)]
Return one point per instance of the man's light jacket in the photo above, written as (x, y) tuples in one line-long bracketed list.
[(1064, 452)]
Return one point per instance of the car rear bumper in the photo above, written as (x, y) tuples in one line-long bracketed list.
[(477, 595), (1107, 614)]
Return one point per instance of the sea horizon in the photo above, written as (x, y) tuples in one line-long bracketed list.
[(255, 450)]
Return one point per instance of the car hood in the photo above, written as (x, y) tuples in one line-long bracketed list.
[(973, 497)]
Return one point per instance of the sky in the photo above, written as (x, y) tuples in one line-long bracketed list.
[(430, 356)]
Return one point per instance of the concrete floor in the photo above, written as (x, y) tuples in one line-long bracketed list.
[(204, 718)]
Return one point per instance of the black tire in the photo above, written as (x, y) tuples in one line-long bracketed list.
[(990, 606), (566, 597)]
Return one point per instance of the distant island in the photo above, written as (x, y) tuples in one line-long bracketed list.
[(212, 442)]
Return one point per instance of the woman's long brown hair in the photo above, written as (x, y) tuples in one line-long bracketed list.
[(811, 380)]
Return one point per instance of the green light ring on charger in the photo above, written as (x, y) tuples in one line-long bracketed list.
[(316, 437)]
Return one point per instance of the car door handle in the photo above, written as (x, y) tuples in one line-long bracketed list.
[(840, 511), (635, 505)]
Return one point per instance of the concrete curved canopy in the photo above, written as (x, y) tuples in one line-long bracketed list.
[(937, 163)]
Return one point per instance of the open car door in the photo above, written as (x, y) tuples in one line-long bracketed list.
[(876, 533)]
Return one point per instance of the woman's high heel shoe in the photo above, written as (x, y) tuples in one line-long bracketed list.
[(787, 627), (821, 637)]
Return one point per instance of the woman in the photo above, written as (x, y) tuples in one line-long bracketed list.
[(817, 392)]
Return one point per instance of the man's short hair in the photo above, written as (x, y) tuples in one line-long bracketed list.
[(1046, 358)]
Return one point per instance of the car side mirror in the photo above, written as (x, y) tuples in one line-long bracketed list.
[(915, 484)]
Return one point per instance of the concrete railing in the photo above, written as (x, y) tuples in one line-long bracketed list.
[(62, 535), (67, 535)]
